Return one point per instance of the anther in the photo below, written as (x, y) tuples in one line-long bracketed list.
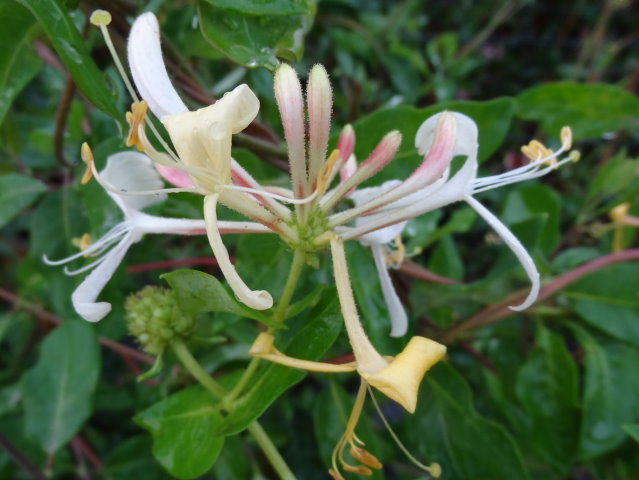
[(85, 241), (135, 119), (335, 474), (365, 457), (87, 157), (100, 18), (359, 469), (566, 137), (326, 173), (619, 213)]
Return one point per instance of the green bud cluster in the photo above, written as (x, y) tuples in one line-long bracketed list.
[(154, 318)]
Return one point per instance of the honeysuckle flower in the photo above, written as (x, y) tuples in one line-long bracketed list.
[(453, 134), (128, 171)]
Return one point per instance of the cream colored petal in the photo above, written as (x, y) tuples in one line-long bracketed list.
[(148, 70), (257, 299)]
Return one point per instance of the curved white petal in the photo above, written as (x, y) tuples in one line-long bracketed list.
[(147, 67), (465, 138), (87, 292), (399, 320), (256, 299), (517, 248), (132, 171)]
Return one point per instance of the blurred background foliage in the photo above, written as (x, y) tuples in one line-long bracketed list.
[(549, 393)]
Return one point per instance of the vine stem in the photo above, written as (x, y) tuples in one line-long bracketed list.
[(279, 316), (500, 310), (255, 429)]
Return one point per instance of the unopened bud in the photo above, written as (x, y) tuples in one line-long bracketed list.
[(153, 317)]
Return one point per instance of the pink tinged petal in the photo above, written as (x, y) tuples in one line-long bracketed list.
[(174, 176), (132, 171), (380, 157), (256, 299), (148, 70), (517, 248), (399, 320), (288, 93), (87, 292), (349, 168), (346, 142), (320, 104)]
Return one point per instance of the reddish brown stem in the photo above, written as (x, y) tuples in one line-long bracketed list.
[(43, 315), (500, 310), (416, 271), (186, 262)]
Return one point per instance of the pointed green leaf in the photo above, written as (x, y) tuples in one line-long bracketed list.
[(447, 429), (18, 63), (183, 426), (322, 325), (200, 292), (71, 48), (547, 388), (590, 110), (256, 34), (611, 393), (16, 192), (58, 390)]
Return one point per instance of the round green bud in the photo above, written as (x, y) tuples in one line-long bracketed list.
[(153, 317)]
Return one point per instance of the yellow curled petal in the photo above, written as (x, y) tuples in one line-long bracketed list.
[(400, 380)]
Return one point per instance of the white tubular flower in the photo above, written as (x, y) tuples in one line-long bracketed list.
[(447, 142), (129, 172), (202, 140)]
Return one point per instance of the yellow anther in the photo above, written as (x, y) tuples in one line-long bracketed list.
[(619, 213), (574, 156), (85, 241), (100, 18), (535, 150), (326, 173), (87, 157), (435, 470), (566, 137), (365, 457), (359, 469), (394, 258), (135, 119)]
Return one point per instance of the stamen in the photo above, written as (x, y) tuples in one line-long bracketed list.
[(118, 191), (434, 469), (365, 457), (394, 258), (265, 193), (135, 118), (87, 157), (327, 172), (100, 18), (566, 137), (85, 242)]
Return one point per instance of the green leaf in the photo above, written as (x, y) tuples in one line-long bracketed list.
[(18, 63), (447, 429), (611, 393), (262, 7), (58, 390), (535, 201), (198, 292), (256, 34), (590, 110), (547, 388), (71, 48), (184, 428), (607, 300), (632, 430), (322, 325), (16, 192), (493, 119)]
